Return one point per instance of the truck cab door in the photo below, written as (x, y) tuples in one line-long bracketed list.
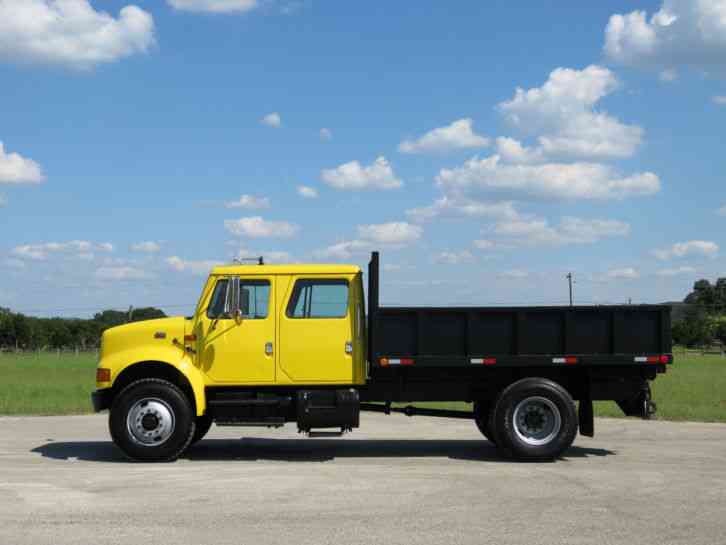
[(317, 336), (239, 350)]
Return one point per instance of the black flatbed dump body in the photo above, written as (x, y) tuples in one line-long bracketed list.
[(444, 353)]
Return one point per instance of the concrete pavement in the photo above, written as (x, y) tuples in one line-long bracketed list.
[(396, 480)]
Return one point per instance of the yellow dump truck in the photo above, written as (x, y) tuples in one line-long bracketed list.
[(275, 344)]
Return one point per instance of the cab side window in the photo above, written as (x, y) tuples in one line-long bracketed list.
[(254, 299), (319, 299)]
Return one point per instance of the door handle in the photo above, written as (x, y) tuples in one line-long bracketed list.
[(348, 347), (268, 349)]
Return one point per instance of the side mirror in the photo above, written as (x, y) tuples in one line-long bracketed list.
[(231, 305)]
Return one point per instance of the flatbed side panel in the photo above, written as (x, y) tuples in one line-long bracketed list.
[(453, 336)]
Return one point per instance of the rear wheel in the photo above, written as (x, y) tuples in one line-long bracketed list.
[(151, 420), (481, 419), (534, 419)]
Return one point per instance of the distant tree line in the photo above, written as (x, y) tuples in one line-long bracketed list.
[(701, 318), (20, 332)]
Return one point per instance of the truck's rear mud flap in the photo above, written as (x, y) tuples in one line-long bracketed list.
[(585, 417), (641, 404)]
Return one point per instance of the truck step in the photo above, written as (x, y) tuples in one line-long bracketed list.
[(314, 434)]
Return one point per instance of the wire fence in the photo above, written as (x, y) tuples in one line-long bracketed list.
[(45, 353)]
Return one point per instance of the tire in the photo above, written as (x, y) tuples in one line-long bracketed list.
[(534, 419), (481, 419), (203, 424), (152, 420)]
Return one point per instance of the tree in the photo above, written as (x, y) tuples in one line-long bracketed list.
[(695, 329), (26, 332)]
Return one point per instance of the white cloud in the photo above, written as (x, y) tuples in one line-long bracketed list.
[(272, 120), (457, 207), (702, 248), (353, 175), (15, 169), (719, 99), (250, 202), (82, 249), (199, 268), (148, 247), (396, 233), (344, 249), (512, 151), (514, 274), (121, 273), (549, 181), (453, 258), (71, 33), (722, 211), (214, 6), (676, 271), (562, 113), (484, 244), (307, 192), (625, 273), (571, 230), (682, 33), (563, 159), (391, 235), (257, 227), (668, 75), (326, 134), (459, 135)]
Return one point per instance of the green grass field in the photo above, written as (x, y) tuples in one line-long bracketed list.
[(693, 389), (46, 384)]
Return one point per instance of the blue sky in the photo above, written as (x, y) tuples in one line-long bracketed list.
[(143, 143)]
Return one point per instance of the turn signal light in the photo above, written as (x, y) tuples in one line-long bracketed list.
[(103, 375)]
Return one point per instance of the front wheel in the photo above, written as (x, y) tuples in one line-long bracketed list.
[(534, 419), (204, 422), (152, 420)]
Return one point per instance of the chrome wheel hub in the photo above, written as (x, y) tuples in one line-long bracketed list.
[(150, 421), (536, 420)]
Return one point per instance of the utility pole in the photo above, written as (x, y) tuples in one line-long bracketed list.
[(131, 312), (569, 280)]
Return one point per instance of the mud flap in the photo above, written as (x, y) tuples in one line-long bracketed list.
[(585, 417), (641, 405)]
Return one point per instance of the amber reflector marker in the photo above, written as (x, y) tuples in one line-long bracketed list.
[(103, 375)]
